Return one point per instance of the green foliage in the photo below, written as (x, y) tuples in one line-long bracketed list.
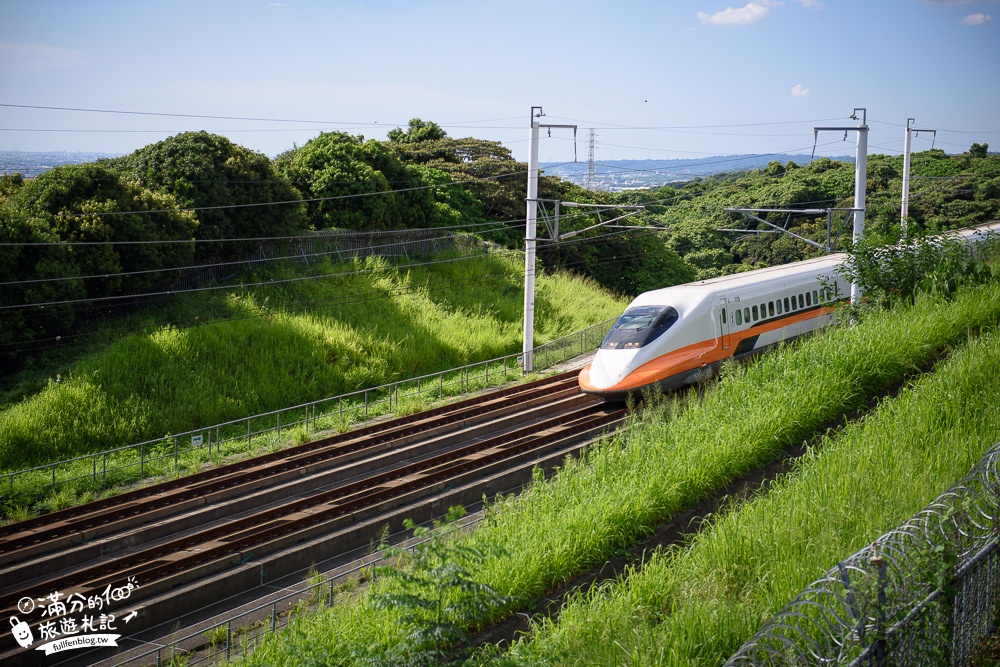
[(671, 458), (417, 131), (226, 181), (90, 204), (696, 604), (485, 169), (9, 184), (432, 590), (946, 192), (359, 184), (887, 269), (364, 324), (628, 265)]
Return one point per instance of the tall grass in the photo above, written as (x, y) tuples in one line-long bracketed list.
[(671, 458), (698, 605), (346, 332)]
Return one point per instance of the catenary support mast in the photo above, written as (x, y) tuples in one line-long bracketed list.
[(904, 209), (530, 235), (860, 178)]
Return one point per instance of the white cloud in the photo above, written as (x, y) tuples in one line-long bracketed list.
[(798, 90), (275, 4), (811, 4), (35, 57), (977, 19), (751, 13)]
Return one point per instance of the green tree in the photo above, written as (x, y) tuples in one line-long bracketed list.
[(417, 131), (438, 601), (344, 190), (237, 191), (9, 184), (89, 204)]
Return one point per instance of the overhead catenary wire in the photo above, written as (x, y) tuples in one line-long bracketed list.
[(309, 200)]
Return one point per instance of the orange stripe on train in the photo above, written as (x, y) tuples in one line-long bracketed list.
[(690, 357)]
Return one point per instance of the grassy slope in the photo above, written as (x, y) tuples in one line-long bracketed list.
[(348, 332), (591, 509), (698, 605)]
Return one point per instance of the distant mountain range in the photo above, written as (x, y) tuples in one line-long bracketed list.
[(616, 175)]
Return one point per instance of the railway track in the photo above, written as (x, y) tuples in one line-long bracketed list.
[(185, 540)]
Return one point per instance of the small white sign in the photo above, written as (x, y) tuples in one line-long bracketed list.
[(197, 440)]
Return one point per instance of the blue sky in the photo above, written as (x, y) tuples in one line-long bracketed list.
[(667, 79)]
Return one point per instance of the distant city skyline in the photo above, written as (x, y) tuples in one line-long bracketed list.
[(658, 80)]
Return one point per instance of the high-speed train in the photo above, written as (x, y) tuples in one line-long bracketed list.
[(680, 335)]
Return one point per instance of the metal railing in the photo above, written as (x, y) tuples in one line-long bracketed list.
[(925, 593), (162, 456)]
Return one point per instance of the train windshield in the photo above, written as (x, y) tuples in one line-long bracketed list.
[(639, 326)]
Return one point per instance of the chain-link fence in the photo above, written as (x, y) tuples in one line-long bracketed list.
[(926, 593), (267, 254)]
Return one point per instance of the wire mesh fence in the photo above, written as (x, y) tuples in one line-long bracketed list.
[(926, 593), (79, 321), (186, 451)]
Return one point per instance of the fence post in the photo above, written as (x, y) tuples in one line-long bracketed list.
[(142, 461), (878, 645), (249, 434), (278, 416), (229, 639), (175, 452)]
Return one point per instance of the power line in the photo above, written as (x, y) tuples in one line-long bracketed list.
[(214, 288), (297, 237), (297, 201), (244, 262), (302, 306)]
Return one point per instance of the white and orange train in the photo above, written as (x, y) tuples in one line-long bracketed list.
[(680, 335)]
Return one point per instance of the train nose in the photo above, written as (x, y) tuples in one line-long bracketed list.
[(610, 367)]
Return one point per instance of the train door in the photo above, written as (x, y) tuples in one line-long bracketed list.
[(724, 322)]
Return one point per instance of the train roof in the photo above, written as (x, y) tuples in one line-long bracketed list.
[(806, 268)]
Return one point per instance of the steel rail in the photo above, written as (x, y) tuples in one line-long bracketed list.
[(251, 532), (74, 521)]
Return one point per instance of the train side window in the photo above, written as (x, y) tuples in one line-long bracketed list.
[(777, 302), (739, 316), (787, 309), (815, 297), (755, 314), (746, 315), (802, 302), (808, 299), (770, 309), (723, 315)]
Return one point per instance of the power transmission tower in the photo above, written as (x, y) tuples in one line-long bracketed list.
[(589, 182)]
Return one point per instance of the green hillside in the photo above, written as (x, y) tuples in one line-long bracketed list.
[(349, 326)]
